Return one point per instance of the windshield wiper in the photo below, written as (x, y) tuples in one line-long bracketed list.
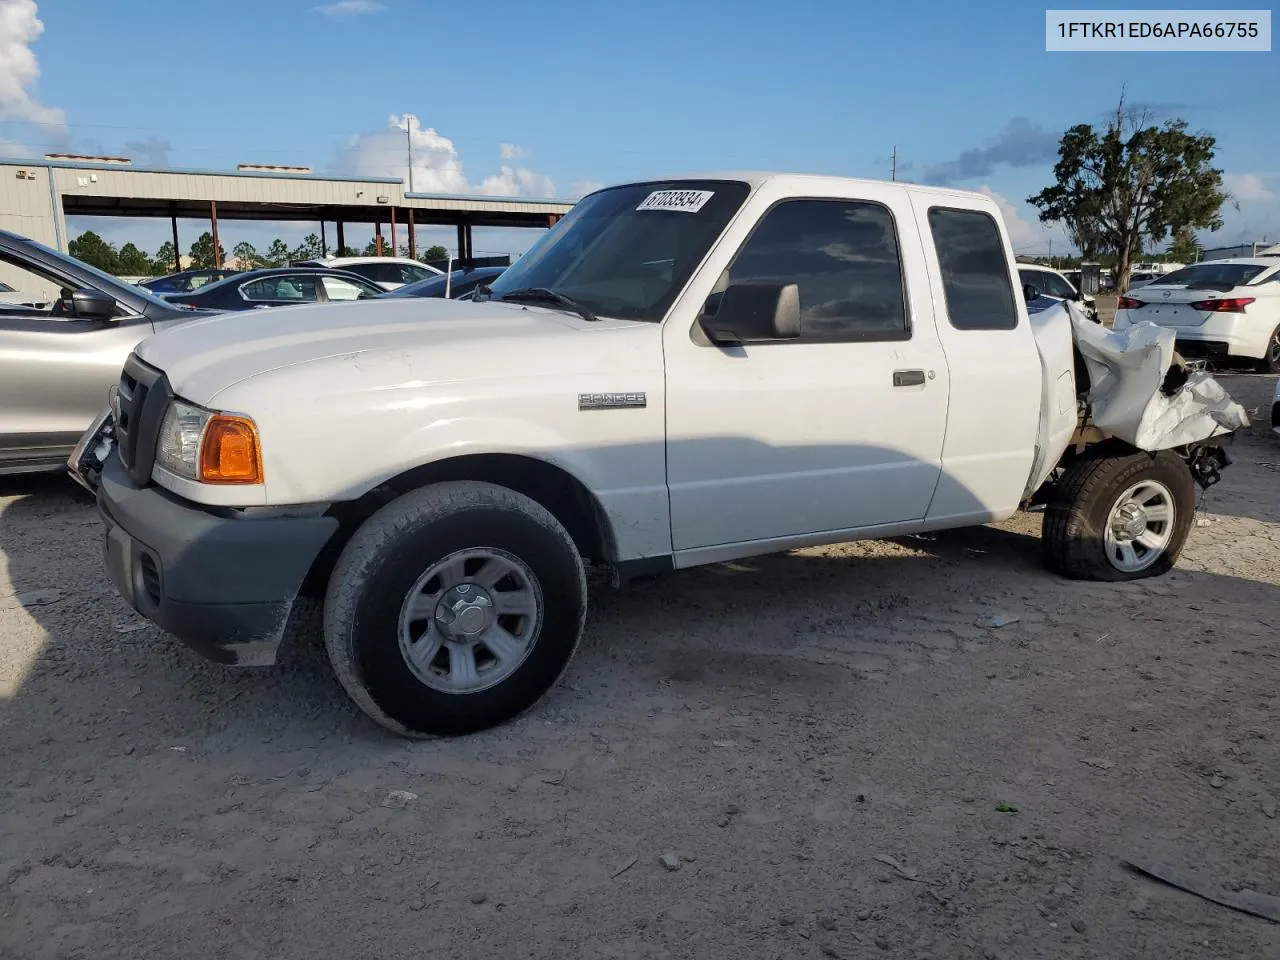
[(536, 294)]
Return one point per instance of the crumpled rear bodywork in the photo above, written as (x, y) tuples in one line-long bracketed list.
[(1127, 398)]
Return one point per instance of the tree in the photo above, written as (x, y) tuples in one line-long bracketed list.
[(434, 253), (95, 251), (346, 251), (133, 262), (372, 249), (202, 257), (247, 255), (1130, 184), (309, 249), (1185, 247), (277, 254), (165, 260)]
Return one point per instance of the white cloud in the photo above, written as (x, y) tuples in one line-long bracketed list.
[(19, 28), (518, 182), (12, 148), (437, 167), (1027, 236), (348, 8), (580, 188), (1248, 186)]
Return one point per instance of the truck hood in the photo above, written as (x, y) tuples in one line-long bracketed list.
[(206, 356)]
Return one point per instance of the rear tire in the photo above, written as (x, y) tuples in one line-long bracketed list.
[(454, 608), (1119, 518), (1270, 362)]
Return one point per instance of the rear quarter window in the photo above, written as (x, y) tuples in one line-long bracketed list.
[(975, 272)]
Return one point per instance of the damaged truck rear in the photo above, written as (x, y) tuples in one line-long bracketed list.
[(681, 372)]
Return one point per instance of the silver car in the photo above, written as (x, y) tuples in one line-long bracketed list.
[(58, 363)]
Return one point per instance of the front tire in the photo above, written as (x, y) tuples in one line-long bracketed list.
[(454, 608), (1119, 518)]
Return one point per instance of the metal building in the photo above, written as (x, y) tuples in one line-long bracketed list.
[(36, 197)]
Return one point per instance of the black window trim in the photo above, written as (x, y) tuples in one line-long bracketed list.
[(699, 337), (1013, 287)]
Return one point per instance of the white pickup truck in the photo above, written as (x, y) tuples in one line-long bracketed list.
[(680, 372)]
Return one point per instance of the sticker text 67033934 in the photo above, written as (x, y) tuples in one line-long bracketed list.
[(685, 201)]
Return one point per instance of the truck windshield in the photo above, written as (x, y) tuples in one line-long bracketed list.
[(628, 251)]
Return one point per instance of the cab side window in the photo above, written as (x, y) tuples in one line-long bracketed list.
[(975, 271), (844, 257)]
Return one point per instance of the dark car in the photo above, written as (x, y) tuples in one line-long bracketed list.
[(279, 287), (58, 362), (461, 284), (187, 281)]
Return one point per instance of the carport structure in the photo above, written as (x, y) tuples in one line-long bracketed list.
[(36, 196)]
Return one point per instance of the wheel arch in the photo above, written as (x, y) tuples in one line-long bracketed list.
[(561, 493)]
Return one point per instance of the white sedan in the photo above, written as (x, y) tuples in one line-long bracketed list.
[(1218, 309), (390, 273)]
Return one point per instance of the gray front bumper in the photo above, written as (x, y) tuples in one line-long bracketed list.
[(221, 580)]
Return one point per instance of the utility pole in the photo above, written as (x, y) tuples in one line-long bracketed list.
[(408, 146), (408, 142), (893, 170)]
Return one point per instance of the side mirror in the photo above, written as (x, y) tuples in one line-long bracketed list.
[(1030, 293), (754, 313), (90, 304)]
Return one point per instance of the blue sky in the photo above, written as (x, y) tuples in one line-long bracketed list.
[(582, 93)]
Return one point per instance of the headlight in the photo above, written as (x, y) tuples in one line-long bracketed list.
[(178, 449), (209, 446)]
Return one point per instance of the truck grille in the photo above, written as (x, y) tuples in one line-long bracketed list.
[(143, 397)]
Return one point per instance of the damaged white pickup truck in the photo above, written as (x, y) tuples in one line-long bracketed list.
[(680, 372)]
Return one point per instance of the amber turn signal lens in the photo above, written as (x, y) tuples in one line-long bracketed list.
[(230, 452)]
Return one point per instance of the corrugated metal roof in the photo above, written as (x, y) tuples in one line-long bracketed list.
[(182, 171)]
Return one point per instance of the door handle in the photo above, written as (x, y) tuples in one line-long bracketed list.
[(908, 378)]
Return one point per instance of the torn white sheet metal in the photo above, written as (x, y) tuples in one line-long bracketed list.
[(1127, 368)]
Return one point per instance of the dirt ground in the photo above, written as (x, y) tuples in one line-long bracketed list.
[(790, 727)]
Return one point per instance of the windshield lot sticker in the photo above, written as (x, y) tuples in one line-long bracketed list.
[(685, 201)]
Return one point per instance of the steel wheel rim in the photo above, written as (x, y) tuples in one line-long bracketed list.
[(470, 621), (1274, 353), (1140, 526)]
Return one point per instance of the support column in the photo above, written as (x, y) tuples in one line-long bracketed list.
[(394, 248), (342, 241), (377, 236), (324, 241), (177, 250), (465, 252), (411, 227), (213, 218)]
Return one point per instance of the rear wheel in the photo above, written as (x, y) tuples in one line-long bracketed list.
[(454, 608), (1119, 518), (1270, 362)]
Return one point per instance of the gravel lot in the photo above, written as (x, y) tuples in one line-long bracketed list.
[(778, 724)]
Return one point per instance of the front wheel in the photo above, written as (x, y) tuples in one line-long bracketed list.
[(454, 608), (1119, 518)]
